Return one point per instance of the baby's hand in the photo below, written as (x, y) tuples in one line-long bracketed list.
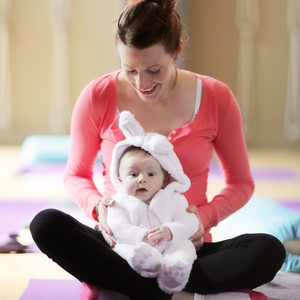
[(159, 235), (146, 240)]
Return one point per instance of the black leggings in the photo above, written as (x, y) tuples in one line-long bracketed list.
[(244, 262)]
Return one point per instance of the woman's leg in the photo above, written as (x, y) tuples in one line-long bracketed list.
[(244, 262), (82, 252)]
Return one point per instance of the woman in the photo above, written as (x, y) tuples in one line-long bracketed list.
[(198, 114)]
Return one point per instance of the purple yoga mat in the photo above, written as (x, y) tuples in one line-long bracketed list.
[(294, 205), (68, 289), (263, 173), (283, 286), (53, 289), (14, 214), (52, 168)]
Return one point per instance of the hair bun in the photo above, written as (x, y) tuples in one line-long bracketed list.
[(165, 4), (144, 23)]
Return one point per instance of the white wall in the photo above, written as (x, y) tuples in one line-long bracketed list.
[(92, 53)]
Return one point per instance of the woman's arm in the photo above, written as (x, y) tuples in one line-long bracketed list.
[(85, 145), (231, 151)]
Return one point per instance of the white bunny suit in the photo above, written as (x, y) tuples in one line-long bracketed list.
[(130, 219)]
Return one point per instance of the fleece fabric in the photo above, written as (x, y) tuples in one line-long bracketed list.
[(130, 219)]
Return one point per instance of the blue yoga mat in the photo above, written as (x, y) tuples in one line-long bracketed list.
[(263, 215)]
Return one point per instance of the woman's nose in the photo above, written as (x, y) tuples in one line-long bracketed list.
[(140, 81)]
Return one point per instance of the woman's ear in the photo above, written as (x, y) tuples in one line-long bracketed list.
[(180, 49)]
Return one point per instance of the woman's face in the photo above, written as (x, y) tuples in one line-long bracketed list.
[(150, 71)]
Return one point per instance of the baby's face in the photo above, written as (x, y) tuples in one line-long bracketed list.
[(141, 175)]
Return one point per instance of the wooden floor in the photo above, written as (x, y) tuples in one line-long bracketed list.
[(17, 269)]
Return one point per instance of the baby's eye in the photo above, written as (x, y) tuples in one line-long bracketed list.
[(134, 174), (151, 174)]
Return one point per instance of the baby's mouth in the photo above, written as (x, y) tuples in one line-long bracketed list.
[(141, 190)]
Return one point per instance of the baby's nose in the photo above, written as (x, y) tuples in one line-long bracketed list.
[(141, 178)]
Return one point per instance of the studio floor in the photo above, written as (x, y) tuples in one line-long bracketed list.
[(276, 173)]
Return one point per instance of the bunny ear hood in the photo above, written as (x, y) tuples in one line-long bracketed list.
[(156, 144), (129, 125)]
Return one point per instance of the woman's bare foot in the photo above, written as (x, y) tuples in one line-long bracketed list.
[(293, 246)]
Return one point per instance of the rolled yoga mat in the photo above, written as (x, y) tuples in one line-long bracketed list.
[(263, 215)]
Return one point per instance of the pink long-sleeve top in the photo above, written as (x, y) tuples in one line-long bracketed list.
[(217, 126)]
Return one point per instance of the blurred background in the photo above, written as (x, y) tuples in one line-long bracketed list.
[(51, 49)]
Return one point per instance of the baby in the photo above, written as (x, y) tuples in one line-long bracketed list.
[(149, 221)]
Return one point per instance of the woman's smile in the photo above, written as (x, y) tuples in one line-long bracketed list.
[(148, 92)]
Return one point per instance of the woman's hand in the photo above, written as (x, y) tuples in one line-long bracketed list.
[(101, 209), (197, 238)]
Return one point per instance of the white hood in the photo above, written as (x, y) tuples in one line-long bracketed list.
[(156, 144)]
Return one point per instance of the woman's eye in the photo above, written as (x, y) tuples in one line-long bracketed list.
[(130, 72), (154, 71)]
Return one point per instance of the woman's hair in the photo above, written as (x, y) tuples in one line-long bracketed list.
[(144, 23)]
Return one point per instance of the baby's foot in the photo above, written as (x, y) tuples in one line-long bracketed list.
[(146, 260), (173, 277)]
